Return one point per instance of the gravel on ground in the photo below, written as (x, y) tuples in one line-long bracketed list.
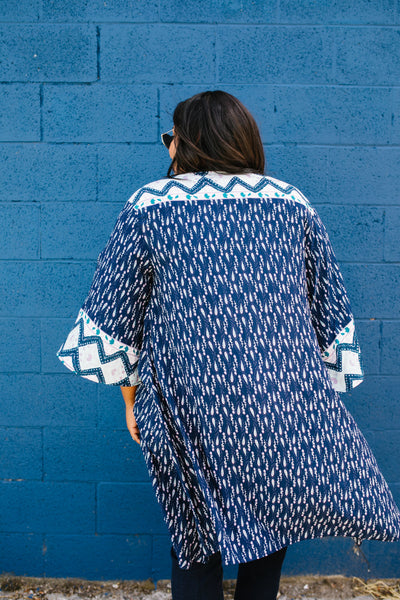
[(307, 587)]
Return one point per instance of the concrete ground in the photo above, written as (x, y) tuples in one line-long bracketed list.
[(332, 587)]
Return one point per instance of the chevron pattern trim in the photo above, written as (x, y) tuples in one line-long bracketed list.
[(92, 354), (205, 186), (343, 359)]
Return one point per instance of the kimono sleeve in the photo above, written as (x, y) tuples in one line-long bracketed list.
[(104, 344), (331, 313)]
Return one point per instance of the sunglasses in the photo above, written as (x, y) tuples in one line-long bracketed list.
[(167, 139)]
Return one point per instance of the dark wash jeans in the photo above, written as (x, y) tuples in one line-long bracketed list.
[(256, 580)]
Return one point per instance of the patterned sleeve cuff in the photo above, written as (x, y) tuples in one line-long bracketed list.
[(93, 354), (343, 359)]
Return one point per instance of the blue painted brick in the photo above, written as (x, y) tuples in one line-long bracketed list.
[(363, 283), (54, 507), (162, 558), (390, 348), (326, 555), (367, 56), (47, 52), (359, 233), (23, 337), (85, 228), (229, 11), (341, 11), (68, 400), (97, 10), (101, 557), (19, 112), (395, 489), (395, 128), (21, 454), (363, 175), (51, 400), (100, 113), (21, 554), (305, 167), (20, 231), (128, 508), (386, 450), (111, 407), (125, 55), (52, 331), (392, 229), (28, 10), (65, 172), (92, 454), (275, 55), (124, 168), (328, 140), (368, 333), (381, 405), (40, 289), (332, 115), (384, 558), (15, 410)]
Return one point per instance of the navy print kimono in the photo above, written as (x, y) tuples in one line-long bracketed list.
[(221, 298)]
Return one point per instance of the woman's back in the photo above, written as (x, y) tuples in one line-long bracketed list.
[(221, 297)]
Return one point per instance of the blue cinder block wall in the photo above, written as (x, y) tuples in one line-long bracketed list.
[(86, 88)]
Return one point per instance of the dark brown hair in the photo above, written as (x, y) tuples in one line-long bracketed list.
[(215, 132)]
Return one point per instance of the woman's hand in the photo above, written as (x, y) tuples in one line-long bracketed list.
[(128, 394), (131, 424)]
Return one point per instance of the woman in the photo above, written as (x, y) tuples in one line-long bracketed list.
[(219, 308)]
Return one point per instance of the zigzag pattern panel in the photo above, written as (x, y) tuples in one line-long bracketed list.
[(343, 360), (211, 185), (92, 354)]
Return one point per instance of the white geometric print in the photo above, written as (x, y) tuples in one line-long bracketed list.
[(215, 185), (343, 359), (226, 298), (91, 353)]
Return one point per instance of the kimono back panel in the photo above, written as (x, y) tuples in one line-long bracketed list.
[(221, 298)]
